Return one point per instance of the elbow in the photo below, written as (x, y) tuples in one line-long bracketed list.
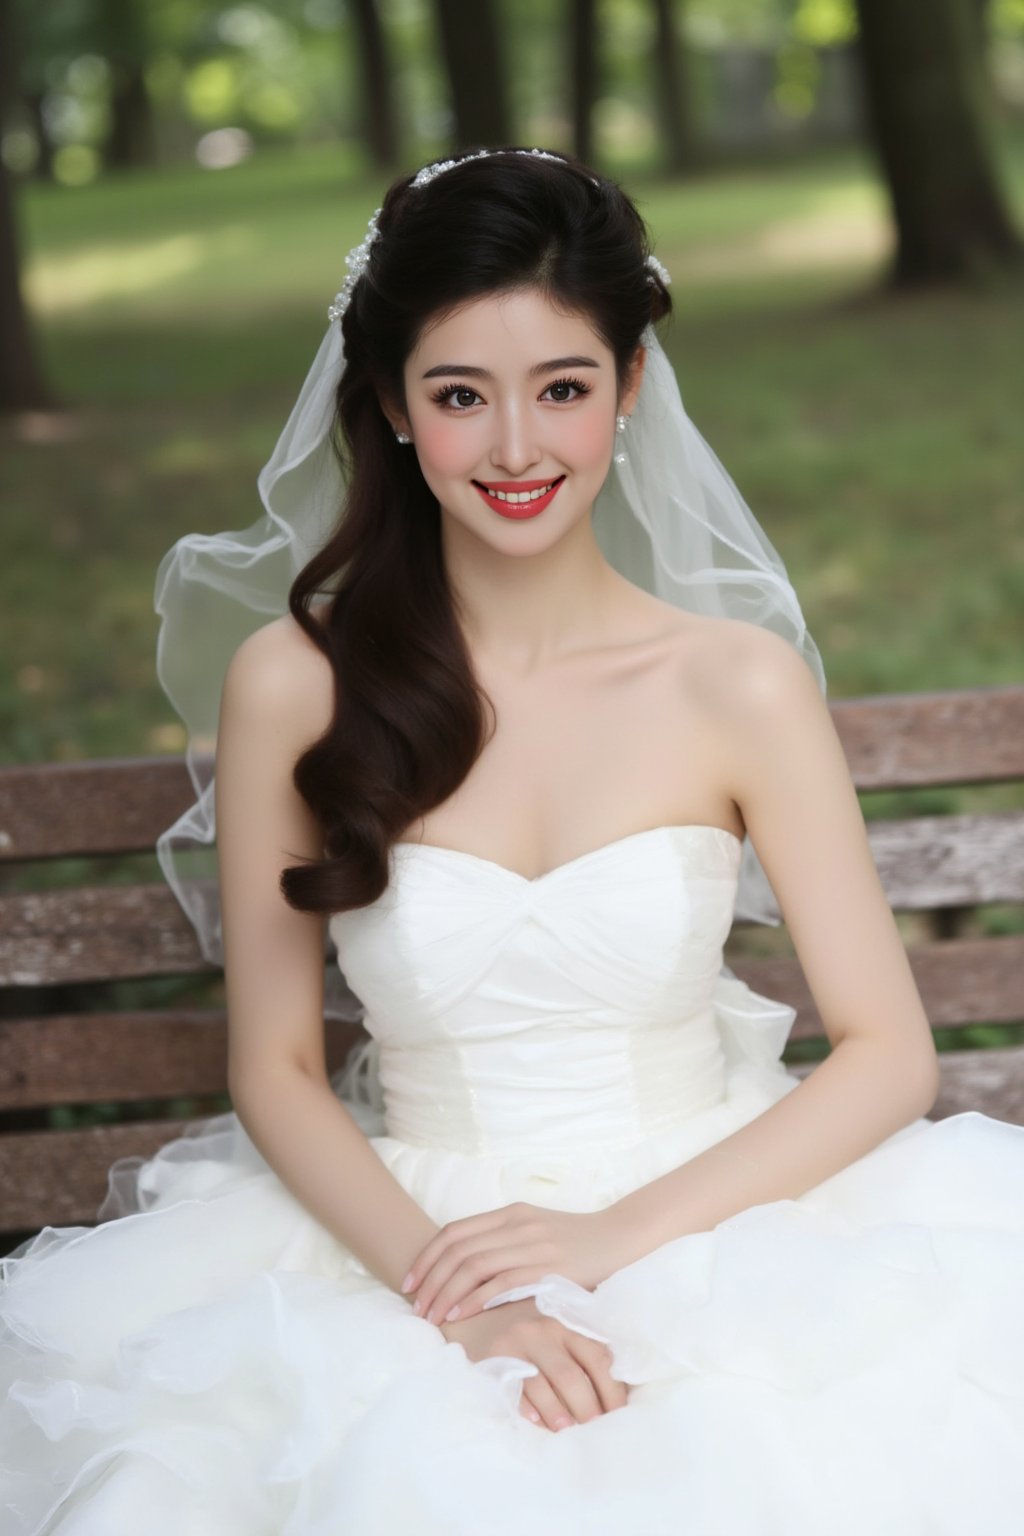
[(926, 1075), (932, 1084), (262, 1082)]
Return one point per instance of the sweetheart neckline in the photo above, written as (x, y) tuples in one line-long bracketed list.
[(616, 842)]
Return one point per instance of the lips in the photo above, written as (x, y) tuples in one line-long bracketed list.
[(518, 509)]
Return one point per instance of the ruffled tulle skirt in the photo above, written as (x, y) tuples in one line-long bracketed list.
[(209, 1361)]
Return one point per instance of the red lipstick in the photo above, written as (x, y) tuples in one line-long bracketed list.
[(518, 509)]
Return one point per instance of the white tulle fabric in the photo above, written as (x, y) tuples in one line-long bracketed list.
[(669, 518), (214, 1363)]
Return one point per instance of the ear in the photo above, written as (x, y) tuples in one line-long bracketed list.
[(399, 422), (631, 393)]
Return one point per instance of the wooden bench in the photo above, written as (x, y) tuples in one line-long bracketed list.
[(76, 957)]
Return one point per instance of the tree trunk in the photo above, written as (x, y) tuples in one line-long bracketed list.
[(474, 57), (927, 112), (584, 73), (21, 383), (131, 138), (675, 107), (380, 128), (33, 103)]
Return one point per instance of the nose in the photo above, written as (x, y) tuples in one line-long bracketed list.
[(515, 447)]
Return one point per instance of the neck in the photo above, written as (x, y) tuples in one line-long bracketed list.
[(522, 613)]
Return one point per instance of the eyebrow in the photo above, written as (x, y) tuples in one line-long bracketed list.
[(483, 373)]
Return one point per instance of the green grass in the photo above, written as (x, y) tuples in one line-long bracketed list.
[(878, 442)]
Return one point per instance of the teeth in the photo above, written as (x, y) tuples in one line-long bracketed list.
[(516, 496)]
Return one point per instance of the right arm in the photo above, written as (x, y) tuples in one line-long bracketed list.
[(276, 700)]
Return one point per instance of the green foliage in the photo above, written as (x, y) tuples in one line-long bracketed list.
[(879, 443)]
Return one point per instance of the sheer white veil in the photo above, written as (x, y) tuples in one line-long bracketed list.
[(669, 518)]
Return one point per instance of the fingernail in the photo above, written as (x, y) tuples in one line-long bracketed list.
[(534, 1415), (407, 1282), (450, 1317), (562, 1422), (416, 1305)]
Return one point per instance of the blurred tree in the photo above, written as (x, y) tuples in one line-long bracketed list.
[(121, 31), (672, 85), (583, 75), (928, 112), (21, 383), (474, 57), (380, 127)]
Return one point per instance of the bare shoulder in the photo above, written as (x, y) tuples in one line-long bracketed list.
[(745, 673), (279, 676)]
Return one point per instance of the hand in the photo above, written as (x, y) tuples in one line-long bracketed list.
[(469, 1261), (574, 1384)]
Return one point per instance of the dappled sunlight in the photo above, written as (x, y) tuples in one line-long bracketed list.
[(842, 230), (69, 281)]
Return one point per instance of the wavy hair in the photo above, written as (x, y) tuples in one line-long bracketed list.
[(409, 715)]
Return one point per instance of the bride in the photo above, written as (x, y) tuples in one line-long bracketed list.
[(538, 695)]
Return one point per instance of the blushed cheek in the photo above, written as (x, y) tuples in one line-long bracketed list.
[(445, 452), (584, 441)]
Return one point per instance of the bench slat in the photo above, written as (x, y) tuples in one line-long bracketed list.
[(113, 805), (127, 1056), (961, 981), (82, 1058), (913, 740), (891, 741), (61, 1176), (96, 933), (991, 1082)]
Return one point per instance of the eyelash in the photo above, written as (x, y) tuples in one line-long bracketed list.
[(448, 390)]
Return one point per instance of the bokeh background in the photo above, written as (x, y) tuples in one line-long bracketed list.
[(836, 188)]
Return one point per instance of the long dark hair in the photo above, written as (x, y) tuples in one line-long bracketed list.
[(409, 715)]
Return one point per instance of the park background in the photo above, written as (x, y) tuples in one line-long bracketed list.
[(836, 189)]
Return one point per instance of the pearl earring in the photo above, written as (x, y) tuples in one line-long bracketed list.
[(403, 437), (620, 426)]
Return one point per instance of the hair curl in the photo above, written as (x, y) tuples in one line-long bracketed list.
[(409, 719)]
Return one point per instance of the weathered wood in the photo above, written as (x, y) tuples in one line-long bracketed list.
[(61, 1176), (95, 933), (961, 981), (117, 805), (956, 736), (950, 861), (990, 1082), (891, 741), (81, 1058)]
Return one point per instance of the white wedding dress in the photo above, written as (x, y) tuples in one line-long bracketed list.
[(214, 1363)]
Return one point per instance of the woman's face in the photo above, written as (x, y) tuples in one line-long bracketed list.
[(509, 394)]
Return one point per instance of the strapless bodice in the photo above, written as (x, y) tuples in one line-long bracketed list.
[(587, 1006)]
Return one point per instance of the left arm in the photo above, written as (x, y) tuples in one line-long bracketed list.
[(789, 777), (793, 787)]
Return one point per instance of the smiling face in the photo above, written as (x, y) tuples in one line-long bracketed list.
[(507, 394)]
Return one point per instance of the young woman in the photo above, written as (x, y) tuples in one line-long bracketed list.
[(564, 1248)]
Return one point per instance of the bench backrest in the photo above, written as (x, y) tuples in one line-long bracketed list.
[(942, 866)]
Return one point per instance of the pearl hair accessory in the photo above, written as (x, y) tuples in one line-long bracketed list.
[(359, 255)]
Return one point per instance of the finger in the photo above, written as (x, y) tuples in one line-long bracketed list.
[(572, 1385), (541, 1394), (475, 1301), (474, 1271), (596, 1359), (451, 1232)]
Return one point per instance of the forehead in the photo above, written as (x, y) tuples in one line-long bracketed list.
[(512, 328)]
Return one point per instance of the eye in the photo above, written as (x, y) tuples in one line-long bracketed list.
[(576, 384), (443, 395)]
